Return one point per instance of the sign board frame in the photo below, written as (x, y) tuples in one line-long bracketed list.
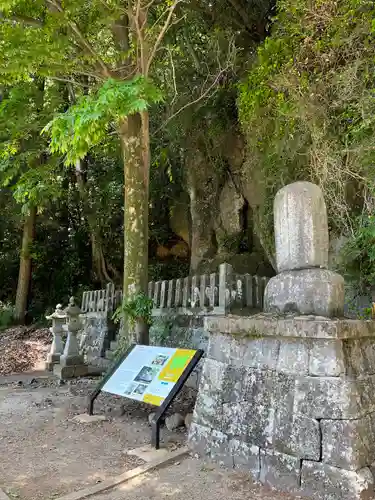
[(161, 410)]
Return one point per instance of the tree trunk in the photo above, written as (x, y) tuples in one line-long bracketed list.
[(24, 277), (99, 264), (134, 134)]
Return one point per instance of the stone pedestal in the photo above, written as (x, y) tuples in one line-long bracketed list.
[(308, 291), (291, 400)]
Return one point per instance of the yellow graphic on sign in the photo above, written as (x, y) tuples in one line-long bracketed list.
[(176, 365), (153, 400)]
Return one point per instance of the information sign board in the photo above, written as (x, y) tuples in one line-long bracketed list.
[(149, 373)]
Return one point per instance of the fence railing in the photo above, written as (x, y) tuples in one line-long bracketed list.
[(217, 293)]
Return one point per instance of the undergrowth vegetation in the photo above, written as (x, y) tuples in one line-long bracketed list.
[(307, 109)]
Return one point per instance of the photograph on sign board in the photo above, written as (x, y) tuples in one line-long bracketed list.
[(160, 360), (146, 375), (130, 388), (140, 389)]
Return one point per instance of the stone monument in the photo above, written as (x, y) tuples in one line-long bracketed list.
[(303, 285), (71, 362), (289, 395)]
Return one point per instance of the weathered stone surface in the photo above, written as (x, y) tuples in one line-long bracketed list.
[(327, 358), (245, 457), (199, 439), (301, 227), (94, 336), (226, 349), (213, 375), (174, 421), (296, 435), (188, 420), (252, 417), (71, 360), (219, 448), (208, 410), (273, 325), (85, 418), (293, 356), (269, 387), (359, 356), (234, 384), (70, 371), (245, 421), (333, 397), (279, 470), (323, 482), (261, 353), (308, 291), (348, 444), (151, 417)]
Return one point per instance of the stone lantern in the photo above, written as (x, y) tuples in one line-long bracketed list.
[(71, 361), (58, 319)]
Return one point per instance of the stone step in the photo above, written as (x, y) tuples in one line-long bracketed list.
[(114, 345)]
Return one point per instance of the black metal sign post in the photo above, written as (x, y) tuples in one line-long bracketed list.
[(107, 376), (155, 424)]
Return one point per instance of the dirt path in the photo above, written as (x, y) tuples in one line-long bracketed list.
[(192, 479), (44, 454)]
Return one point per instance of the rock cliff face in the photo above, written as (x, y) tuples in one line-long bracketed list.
[(217, 218)]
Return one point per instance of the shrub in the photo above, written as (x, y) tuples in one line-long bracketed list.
[(6, 315)]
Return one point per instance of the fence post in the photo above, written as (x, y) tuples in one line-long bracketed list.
[(171, 294), (109, 302), (225, 287)]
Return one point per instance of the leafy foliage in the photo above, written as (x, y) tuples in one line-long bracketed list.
[(359, 253), (137, 307), (307, 108), (6, 315), (87, 123)]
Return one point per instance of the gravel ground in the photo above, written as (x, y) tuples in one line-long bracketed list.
[(45, 454), (192, 479)]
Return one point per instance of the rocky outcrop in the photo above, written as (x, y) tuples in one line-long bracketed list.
[(221, 210)]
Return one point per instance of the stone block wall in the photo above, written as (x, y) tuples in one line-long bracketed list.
[(185, 331), (96, 335), (291, 400)]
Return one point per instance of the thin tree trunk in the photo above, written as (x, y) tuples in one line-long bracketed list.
[(98, 260), (24, 277), (134, 134)]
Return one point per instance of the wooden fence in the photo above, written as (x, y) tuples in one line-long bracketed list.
[(216, 293)]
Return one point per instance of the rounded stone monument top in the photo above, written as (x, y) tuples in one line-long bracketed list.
[(301, 227)]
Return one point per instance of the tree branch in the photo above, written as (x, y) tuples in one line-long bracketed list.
[(161, 35), (66, 80), (82, 39), (29, 21), (205, 94)]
